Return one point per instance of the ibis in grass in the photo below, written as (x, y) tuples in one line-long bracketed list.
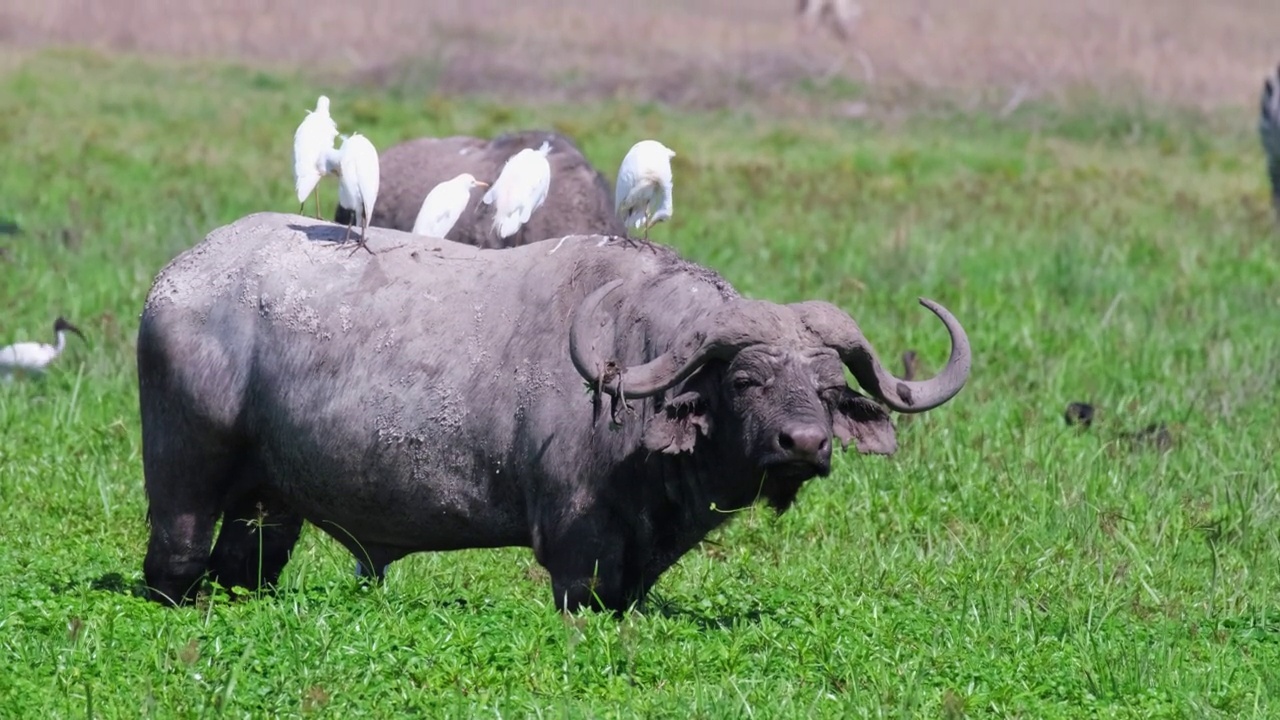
[(356, 164), (444, 205), (520, 189), (642, 198), (311, 141), (31, 358)]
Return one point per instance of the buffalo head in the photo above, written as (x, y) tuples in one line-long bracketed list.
[(770, 378)]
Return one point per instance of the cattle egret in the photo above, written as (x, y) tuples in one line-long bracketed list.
[(643, 195), (841, 14), (520, 189), (313, 138), (356, 164), (444, 205), (31, 358)]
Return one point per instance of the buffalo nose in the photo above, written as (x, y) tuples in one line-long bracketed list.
[(808, 443)]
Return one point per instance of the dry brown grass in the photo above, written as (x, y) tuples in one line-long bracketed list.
[(702, 52)]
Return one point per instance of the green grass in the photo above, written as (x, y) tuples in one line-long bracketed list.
[(999, 565)]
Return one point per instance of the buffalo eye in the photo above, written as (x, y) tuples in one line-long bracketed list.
[(833, 393), (743, 381)]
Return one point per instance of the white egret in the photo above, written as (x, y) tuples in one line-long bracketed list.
[(356, 164), (642, 198), (520, 189), (444, 205), (31, 358), (313, 138)]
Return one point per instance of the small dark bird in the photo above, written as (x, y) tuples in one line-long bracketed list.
[(1269, 133), (910, 365), (1079, 413)]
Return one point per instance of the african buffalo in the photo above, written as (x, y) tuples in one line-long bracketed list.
[(580, 199), (437, 396)]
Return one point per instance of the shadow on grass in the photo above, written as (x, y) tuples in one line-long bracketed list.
[(112, 582), (707, 619)]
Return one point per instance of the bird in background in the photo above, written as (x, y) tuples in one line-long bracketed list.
[(355, 163), (313, 138), (643, 196), (31, 358), (520, 189), (444, 205), (1269, 133)]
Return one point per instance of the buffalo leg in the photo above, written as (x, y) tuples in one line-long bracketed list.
[(588, 569), (378, 576), (255, 542), (186, 479)]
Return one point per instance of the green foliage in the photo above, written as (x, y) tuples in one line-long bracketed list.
[(1001, 564)]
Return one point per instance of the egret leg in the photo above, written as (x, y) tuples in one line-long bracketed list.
[(648, 223), (317, 202), (364, 231)]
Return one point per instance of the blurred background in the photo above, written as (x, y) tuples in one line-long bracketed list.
[(707, 53)]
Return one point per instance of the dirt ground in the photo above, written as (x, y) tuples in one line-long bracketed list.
[(702, 52)]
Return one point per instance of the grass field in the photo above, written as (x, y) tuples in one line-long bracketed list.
[(1001, 564)]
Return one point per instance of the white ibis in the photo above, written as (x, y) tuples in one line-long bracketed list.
[(31, 358)]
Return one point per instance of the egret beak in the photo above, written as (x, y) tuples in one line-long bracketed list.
[(481, 184), (61, 324)]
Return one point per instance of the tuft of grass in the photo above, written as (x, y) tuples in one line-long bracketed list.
[(1001, 564)]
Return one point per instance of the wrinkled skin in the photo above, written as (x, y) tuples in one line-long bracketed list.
[(412, 399), (579, 200)]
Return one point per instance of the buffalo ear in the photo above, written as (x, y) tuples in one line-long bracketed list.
[(675, 426), (856, 417)]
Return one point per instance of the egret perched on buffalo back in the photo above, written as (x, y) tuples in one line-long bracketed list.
[(643, 195), (520, 189), (31, 358), (444, 205), (313, 138), (356, 163)]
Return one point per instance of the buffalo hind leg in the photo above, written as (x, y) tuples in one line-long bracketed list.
[(186, 482), (255, 542)]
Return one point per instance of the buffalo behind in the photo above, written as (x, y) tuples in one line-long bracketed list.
[(434, 396), (580, 199)]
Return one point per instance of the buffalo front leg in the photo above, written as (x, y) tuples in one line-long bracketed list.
[(588, 568)]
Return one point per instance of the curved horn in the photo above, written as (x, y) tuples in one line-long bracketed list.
[(590, 332), (839, 332)]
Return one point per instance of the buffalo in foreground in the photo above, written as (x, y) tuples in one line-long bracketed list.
[(579, 201), (594, 400)]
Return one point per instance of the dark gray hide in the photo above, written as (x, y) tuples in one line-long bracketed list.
[(429, 397), (579, 201)]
